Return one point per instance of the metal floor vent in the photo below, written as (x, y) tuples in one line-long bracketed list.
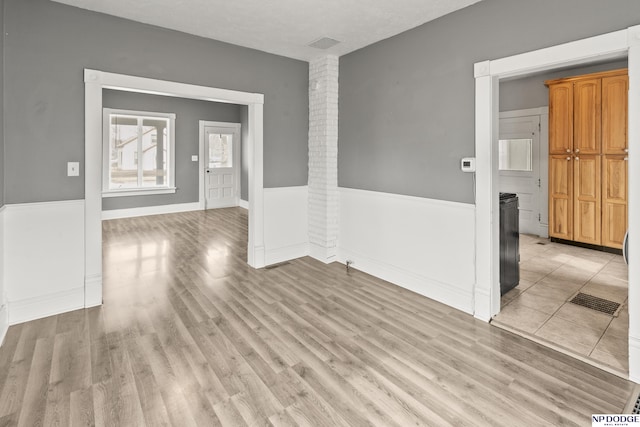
[(599, 304), (636, 408), (272, 266), (541, 243)]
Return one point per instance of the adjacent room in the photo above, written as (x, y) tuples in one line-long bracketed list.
[(373, 213)]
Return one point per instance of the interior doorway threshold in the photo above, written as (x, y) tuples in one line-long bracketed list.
[(560, 349)]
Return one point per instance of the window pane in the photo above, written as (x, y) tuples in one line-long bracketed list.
[(123, 152), (154, 152), (220, 150), (515, 154)]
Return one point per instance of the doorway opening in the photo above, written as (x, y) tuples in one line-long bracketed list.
[(546, 301), (95, 82), (617, 45)]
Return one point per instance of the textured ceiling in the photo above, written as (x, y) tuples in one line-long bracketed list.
[(283, 27)]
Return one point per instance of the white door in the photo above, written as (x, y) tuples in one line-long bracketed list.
[(519, 167), (221, 167)]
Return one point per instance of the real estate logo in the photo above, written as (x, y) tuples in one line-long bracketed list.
[(615, 420)]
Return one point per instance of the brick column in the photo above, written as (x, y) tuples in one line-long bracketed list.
[(323, 157)]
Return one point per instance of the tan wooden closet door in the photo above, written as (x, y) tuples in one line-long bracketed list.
[(587, 116), (615, 92), (561, 118), (587, 194), (561, 197), (614, 200)]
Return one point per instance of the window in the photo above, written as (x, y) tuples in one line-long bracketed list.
[(138, 156)]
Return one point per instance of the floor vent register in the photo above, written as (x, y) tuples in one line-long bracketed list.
[(636, 408), (599, 304)]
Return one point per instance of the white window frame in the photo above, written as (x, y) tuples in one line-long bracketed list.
[(114, 192)]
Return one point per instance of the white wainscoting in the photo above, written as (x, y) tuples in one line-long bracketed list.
[(44, 266), (424, 245), (286, 231), (4, 313), (151, 210)]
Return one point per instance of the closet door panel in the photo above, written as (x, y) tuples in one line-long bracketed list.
[(614, 114), (614, 200), (587, 116), (561, 118), (587, 199), (561, 197)]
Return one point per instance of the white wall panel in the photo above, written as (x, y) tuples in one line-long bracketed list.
[(286, 231), (44, 260), (423, 245)]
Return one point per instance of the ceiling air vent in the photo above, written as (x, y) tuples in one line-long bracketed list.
[(324, 43)]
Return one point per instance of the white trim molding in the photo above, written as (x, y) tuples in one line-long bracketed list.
[(150, 210), (420, 244), (46, 305), (95, 81), (615, 45)]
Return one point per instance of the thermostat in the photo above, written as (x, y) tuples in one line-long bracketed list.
[(468, 164)]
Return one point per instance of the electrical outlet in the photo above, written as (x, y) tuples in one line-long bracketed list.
[(73, 168)]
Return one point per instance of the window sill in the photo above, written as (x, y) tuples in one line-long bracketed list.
[(138, 192)]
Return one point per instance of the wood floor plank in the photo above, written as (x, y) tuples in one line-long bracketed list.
[(190, 335), (81, 408), (35, 394)]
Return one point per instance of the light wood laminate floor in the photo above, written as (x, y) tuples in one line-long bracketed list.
[(190, 335)]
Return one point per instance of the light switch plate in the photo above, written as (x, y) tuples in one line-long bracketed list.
[(73, 168), (194, 158)]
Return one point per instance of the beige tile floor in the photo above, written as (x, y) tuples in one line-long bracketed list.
[(550, 275)]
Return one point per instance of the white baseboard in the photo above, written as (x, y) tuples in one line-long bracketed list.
[(45, 305), (274, 256), (425, 286), (93, 290), (243, 204), (4, 322), (150, 210), (322, 253)]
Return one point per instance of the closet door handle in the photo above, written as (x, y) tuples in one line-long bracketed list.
[(577, 150), (568, 158), (626, 150), (626, 159), (577, 158), (568, 151)]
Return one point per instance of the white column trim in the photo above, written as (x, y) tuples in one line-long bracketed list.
[(618, 44)]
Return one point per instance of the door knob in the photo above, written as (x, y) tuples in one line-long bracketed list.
[(577, 150), (207, 170), (568, 151)]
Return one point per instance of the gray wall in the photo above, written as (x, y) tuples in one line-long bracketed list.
[(49, 45), (407, 103), (188, 113), (530, 92)]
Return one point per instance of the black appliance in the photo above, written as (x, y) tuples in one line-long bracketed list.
[(509, 242)]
